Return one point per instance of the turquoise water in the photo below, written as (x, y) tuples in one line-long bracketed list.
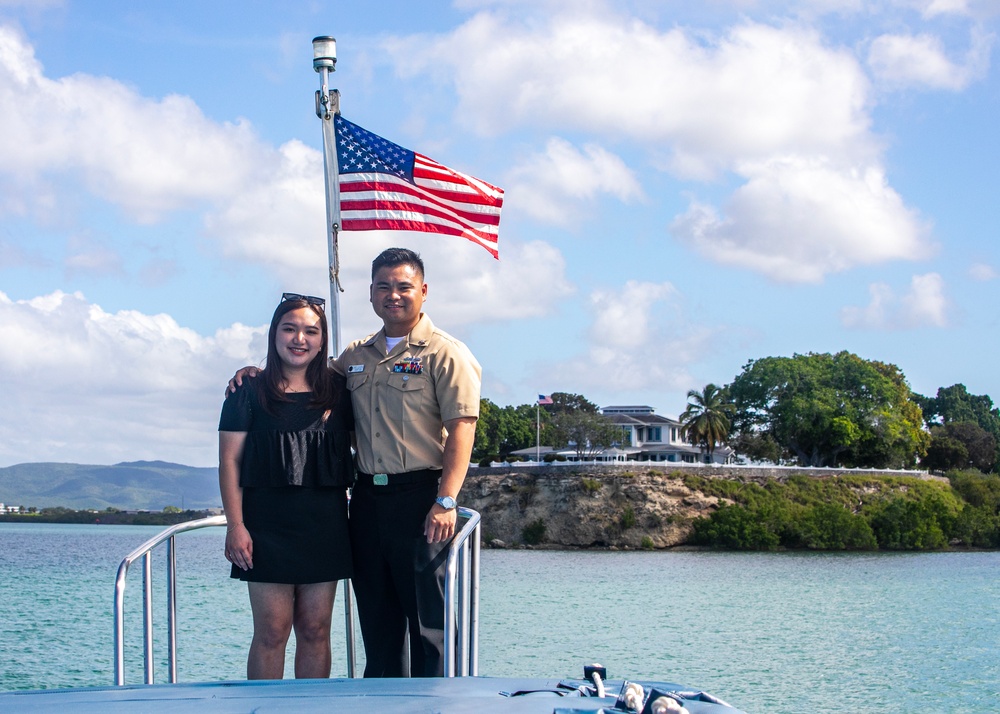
[(780, 633)]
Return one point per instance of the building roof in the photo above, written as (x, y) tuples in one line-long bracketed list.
[(627, 410), (640, 419)]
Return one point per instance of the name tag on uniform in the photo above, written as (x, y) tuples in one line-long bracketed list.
[(355, 368)]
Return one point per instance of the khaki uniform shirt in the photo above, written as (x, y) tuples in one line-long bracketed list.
[(401, 400)]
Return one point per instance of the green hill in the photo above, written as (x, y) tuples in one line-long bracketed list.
[(136, 485)]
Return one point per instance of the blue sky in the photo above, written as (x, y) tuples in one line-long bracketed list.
[(687, 188)]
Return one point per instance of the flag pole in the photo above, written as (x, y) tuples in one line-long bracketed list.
[(538, 432), (327, 107)]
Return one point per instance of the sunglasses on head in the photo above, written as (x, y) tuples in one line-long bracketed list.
[(308, 298)]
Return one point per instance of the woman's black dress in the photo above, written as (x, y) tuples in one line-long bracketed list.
[(295, 472)]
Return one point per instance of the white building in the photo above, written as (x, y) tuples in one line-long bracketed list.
[(646, 436)]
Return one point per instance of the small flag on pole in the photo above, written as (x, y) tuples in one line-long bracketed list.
[(542, 399), (386, 187)]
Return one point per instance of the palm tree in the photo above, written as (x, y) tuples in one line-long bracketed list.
[(705, 421)]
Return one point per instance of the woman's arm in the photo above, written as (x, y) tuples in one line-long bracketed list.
[(239, 546)]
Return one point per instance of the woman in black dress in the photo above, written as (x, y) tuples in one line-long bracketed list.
[(284, 468)]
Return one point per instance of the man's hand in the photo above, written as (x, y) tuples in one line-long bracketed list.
[(439, 525), (237, 379)]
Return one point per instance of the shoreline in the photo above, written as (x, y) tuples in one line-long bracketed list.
[(106, 518)]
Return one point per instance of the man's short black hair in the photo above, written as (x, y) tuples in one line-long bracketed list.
[(391, 257)]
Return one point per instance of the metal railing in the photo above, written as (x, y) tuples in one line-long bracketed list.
[(461, 599), (461, 592)]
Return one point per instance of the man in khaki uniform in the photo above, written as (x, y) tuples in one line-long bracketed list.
[(415, 391)]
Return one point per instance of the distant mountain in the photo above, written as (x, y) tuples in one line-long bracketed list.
[(134, 485)]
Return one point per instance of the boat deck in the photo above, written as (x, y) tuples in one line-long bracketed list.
[(459, 695)]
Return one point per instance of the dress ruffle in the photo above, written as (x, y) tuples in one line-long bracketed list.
[(297, 444), (297, 458)]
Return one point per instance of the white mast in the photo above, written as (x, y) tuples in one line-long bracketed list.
[(327, 107)]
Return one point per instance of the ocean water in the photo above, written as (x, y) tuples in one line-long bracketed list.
[(778, 633)]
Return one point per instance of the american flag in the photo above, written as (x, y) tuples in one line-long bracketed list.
[(384, 186), (542, 399)]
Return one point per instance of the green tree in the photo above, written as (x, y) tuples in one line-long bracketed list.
[(589, 433), (734, 527), (901, 524), (828, 526), (944, 453), (566, 402), (961, 445), (757, 446), (978, 527), (485, 444), (828, 410), (954, 404), (977, 489), (705, 421), (171, 509), (501, 430)]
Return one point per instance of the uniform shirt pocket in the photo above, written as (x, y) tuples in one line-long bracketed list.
[(405, 396), (356, 381)]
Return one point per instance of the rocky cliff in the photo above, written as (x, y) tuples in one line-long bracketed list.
[(601, 506)]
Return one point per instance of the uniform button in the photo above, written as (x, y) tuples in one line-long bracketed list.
[(378, 434), (378, 410)]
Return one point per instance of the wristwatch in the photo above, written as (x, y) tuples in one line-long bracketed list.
[(446, 502)]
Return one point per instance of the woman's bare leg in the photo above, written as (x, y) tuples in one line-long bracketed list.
[(273, 606), (313, 612)]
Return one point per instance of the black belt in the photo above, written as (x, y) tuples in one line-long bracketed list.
[(408, 477)]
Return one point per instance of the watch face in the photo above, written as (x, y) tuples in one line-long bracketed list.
[(446, 502)]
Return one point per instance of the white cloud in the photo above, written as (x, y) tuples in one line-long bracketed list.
[(146, 156), (983, 272), (466, 287), (931, 9), (260, 205), (778, 108), (750, 92), (94, 257), (796, 221), (921, 60), (282, 205), (639, 340), (102, 386), (32, 4), (551, 186), (923, 305)]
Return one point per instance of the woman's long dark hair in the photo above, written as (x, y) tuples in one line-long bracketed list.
[(324, 389)]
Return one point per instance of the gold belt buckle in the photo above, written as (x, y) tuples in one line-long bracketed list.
[(380, 479)]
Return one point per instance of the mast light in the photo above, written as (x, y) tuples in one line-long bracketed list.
[(324, 53)]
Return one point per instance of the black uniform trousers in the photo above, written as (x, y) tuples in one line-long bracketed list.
[(398, 578)]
